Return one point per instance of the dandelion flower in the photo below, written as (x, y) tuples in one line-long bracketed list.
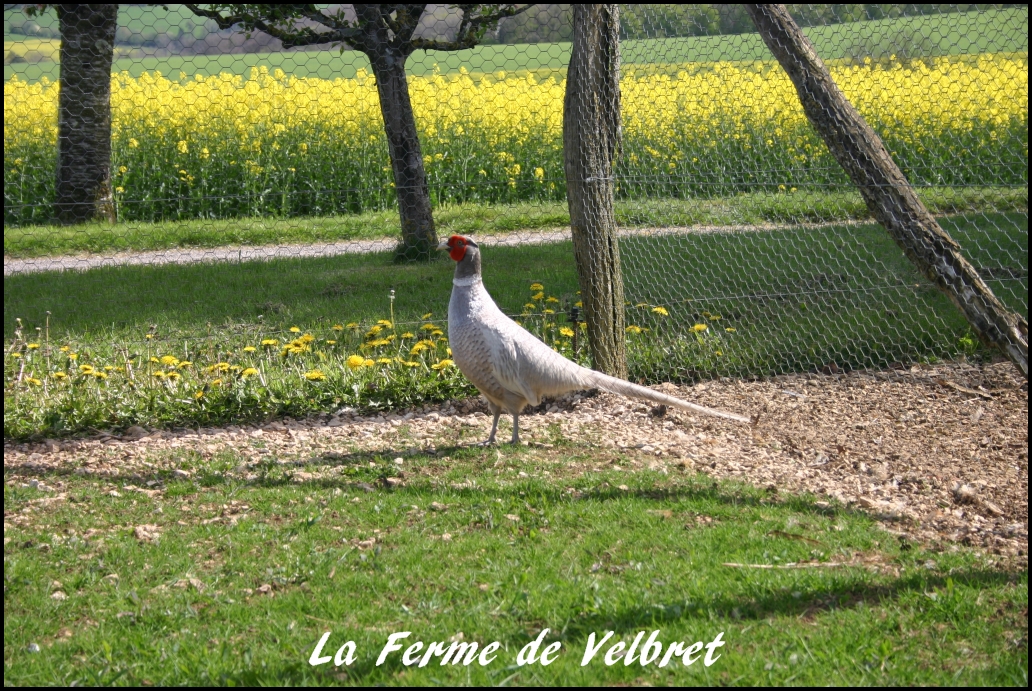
[(330, 341), (73, 356), (368, 363), (537, 296), (16, 355), (216, 382), (547, 311), (551, 298), (566, 331), (578, 304), (158, 375), (32, 346), (199, 395), (661, 311), (270, 342), (295, 330), (408, 334), (642, 305), (315, 375), (169, 360), (428, 327), (438, 332), (352, 325), (534, 287), (338, 327), (699, 328), (410, 363), (731, 329), (248, 372), (386, 323), (173, 375), (632, 329), (59, 375), (32, 381), (355, 362), (385, 361), (64, 349), (86, 369), (442, 364), (249, 349), (530, 306)]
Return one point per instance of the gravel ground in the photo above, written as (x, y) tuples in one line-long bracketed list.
[(938, 454)]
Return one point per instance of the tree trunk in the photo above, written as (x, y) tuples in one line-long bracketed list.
[(418, 235), (889, 197), (591, 132), (84, 113)]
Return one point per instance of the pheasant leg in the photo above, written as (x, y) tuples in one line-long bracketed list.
[(515, 428)]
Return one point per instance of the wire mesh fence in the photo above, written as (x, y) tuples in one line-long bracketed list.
[(256, 186)]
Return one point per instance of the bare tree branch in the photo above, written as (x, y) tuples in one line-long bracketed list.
[(471, 27)]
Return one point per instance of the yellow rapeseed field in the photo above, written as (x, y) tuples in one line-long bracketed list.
[(225, 145)]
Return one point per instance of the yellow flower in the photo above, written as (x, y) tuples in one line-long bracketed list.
[(566, 331), (249, 349), (315, 375), (295, 330), (133, 143), (16, 355), (32, 346), (355, 362), (185, 364), (100, 375), (699, 328), (368, 363), (59, 375), (158, 375), (661, 311), (330, 341), (32, 381), (337, 327), (352, 325), (86, 369), (547, 311), (530, 306), (731, 329), (551, 298), (73, 356), (409, 363), (642, 304), (173, 375), (216, 382), (385, 322), (632, 329), (64, 349), (385, 361), (248, 372), (270, 342), (442, 364), (408, 334), (539, 174), (537, 296), (428, 327), (427, 316), (578, 304), (418, 348), (378, 342), (169, 360), (199, 395), (438, 332), (149, 336), (183, 148)]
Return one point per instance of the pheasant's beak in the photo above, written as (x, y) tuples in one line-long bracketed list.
[(443, 245)]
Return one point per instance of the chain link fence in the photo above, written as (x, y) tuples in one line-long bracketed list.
[(254, 188)]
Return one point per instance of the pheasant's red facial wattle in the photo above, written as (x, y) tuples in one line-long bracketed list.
[(457, 243)]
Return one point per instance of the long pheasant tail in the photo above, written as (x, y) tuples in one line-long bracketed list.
[(626, 388)]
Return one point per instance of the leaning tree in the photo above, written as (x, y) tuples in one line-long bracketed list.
[(387, 35)]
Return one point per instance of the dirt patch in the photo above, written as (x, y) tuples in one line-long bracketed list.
[(936, 453)]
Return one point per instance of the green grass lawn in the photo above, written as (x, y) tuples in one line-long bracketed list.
[(750, 209), (954, 33), (767, 302), (583, 556)]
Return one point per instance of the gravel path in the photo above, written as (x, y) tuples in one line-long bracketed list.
[(329, 249), (938, 454)]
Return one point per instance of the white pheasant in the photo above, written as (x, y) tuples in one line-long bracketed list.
[(510, 366)]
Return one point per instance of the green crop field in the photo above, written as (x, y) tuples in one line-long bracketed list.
[(993, 31)]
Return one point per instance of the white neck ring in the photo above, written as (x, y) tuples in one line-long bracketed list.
[(466, 282)]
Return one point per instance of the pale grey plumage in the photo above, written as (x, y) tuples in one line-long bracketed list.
[(510, 366)]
